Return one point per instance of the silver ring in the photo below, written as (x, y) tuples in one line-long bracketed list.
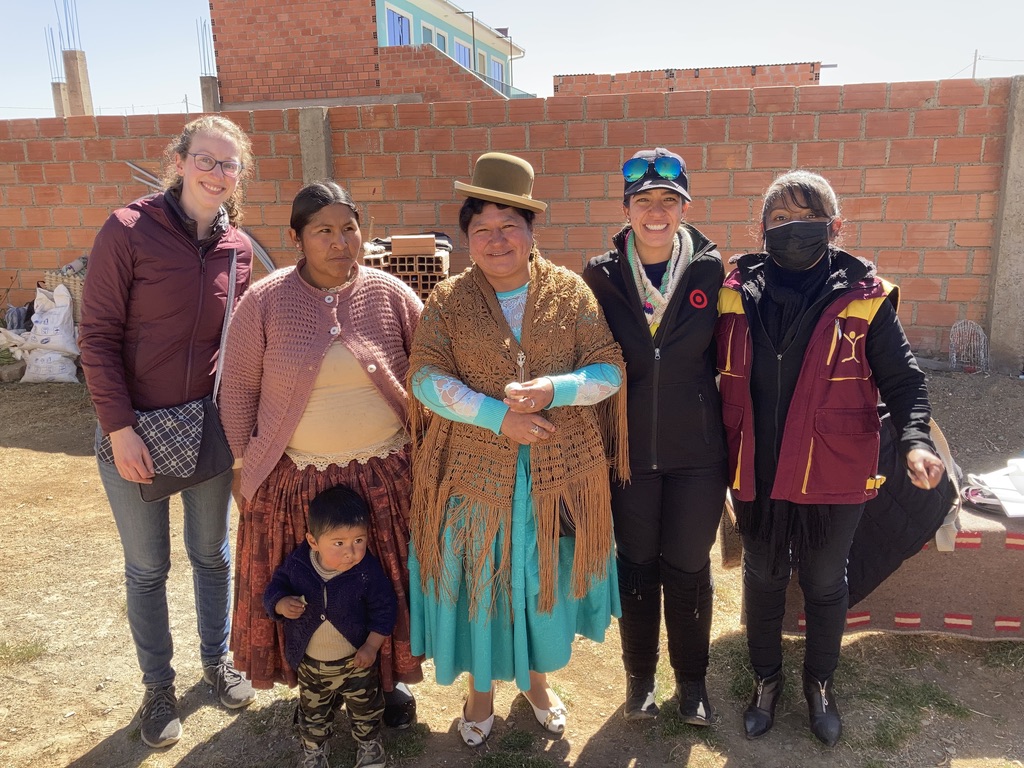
[(533, 403), (535, 429)]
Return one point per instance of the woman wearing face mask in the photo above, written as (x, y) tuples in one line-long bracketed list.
[(808, 338)]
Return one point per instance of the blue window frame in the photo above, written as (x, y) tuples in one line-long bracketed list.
[(399, 29), (463, 55), (441, 42), (497, 71), (428, 35)]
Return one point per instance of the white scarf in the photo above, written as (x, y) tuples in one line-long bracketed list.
[(655, 300)]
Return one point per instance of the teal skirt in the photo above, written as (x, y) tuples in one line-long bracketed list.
[(510, 641)]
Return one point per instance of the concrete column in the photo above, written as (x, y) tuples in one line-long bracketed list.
[(211, 93), (1006, 310), (61, 108), (79, 91), (315, 144)]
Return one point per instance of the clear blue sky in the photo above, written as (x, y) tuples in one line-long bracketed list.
[(144, 57)]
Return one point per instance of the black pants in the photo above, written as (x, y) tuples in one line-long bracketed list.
[(822, 577), (665, 526)]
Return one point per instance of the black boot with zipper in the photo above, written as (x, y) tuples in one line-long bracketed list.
[(822, 709), (759, 717)]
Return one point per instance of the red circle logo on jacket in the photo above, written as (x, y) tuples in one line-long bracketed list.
[(698, 299)]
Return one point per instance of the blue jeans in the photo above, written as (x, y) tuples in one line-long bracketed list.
[(145, 533)]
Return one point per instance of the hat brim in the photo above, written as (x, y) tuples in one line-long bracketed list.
[(642, 185), (491, 196)]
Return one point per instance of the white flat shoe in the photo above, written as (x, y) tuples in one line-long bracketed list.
[(553, 719)]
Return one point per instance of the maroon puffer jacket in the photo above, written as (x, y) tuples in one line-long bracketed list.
[(152, 311)]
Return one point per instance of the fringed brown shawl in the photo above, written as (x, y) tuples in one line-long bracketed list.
[(463, 475)]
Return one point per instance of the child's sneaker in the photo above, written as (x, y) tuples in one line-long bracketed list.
[(159, 725), (315, 757), (370, 754)]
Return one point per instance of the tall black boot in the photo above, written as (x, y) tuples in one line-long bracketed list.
[(640, 632), (822, 709), (759, 716), (689, 598)]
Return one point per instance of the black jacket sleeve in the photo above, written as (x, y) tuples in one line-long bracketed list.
[(900, 381)]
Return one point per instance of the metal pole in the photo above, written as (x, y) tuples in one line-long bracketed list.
[(974, 68), (472, 19)]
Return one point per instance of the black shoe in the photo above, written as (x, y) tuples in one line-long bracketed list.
[(822, 710), (640, 704), (159, 725), (694, 705), (399, 707), (759, 717)]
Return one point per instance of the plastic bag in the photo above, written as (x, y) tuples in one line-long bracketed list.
[(45, 366), (53, 324)]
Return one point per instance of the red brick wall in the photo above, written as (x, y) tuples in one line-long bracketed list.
[(300, 49), (710, 78), (424, 71), (292, 55), (918, 167)]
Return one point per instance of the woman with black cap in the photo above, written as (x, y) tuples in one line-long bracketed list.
[(659, 289), (807, 341)]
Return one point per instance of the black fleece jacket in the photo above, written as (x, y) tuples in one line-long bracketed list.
[(673, 406)]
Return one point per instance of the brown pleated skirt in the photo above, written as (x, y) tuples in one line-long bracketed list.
[(274, 523)]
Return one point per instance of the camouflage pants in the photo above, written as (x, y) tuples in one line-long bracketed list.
[(324, 686)]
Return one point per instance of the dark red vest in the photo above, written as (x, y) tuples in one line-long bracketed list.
[(829, 452)]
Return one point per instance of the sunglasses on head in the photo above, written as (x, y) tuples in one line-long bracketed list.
[(666, 167)]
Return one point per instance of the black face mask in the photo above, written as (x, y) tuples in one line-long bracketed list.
[(797, 245)]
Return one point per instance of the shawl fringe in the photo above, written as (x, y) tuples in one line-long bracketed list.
[(465, 475)]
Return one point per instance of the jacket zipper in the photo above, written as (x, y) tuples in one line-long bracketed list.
[(631, 288), (654, 409), (195, 324)]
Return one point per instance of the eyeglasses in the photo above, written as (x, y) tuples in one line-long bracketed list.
[(666, 167), (231, 168)]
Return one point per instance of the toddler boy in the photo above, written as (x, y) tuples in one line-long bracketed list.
[(338, 606)]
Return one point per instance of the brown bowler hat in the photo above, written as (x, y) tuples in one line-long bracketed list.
[(504, 179)]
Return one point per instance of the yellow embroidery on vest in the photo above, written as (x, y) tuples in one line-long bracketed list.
[(853, 338)]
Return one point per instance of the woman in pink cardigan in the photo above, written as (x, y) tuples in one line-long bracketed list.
[(313, 395)]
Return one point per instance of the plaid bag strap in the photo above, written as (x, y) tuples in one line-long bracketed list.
[(232, 272)]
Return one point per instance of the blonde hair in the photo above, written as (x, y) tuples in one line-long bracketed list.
[(214, 125)]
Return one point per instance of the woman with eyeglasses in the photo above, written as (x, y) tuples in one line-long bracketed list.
[(807, 340), (153, 310), (658, 287)]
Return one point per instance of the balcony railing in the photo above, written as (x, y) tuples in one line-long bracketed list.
[(505, 89)]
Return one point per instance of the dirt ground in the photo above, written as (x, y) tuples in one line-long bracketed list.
[(69, 682)]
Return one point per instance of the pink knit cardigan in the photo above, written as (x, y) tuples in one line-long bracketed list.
[(277, 340)]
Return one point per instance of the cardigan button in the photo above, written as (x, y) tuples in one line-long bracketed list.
[(371, 368), (329, 298), (335, 331)]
